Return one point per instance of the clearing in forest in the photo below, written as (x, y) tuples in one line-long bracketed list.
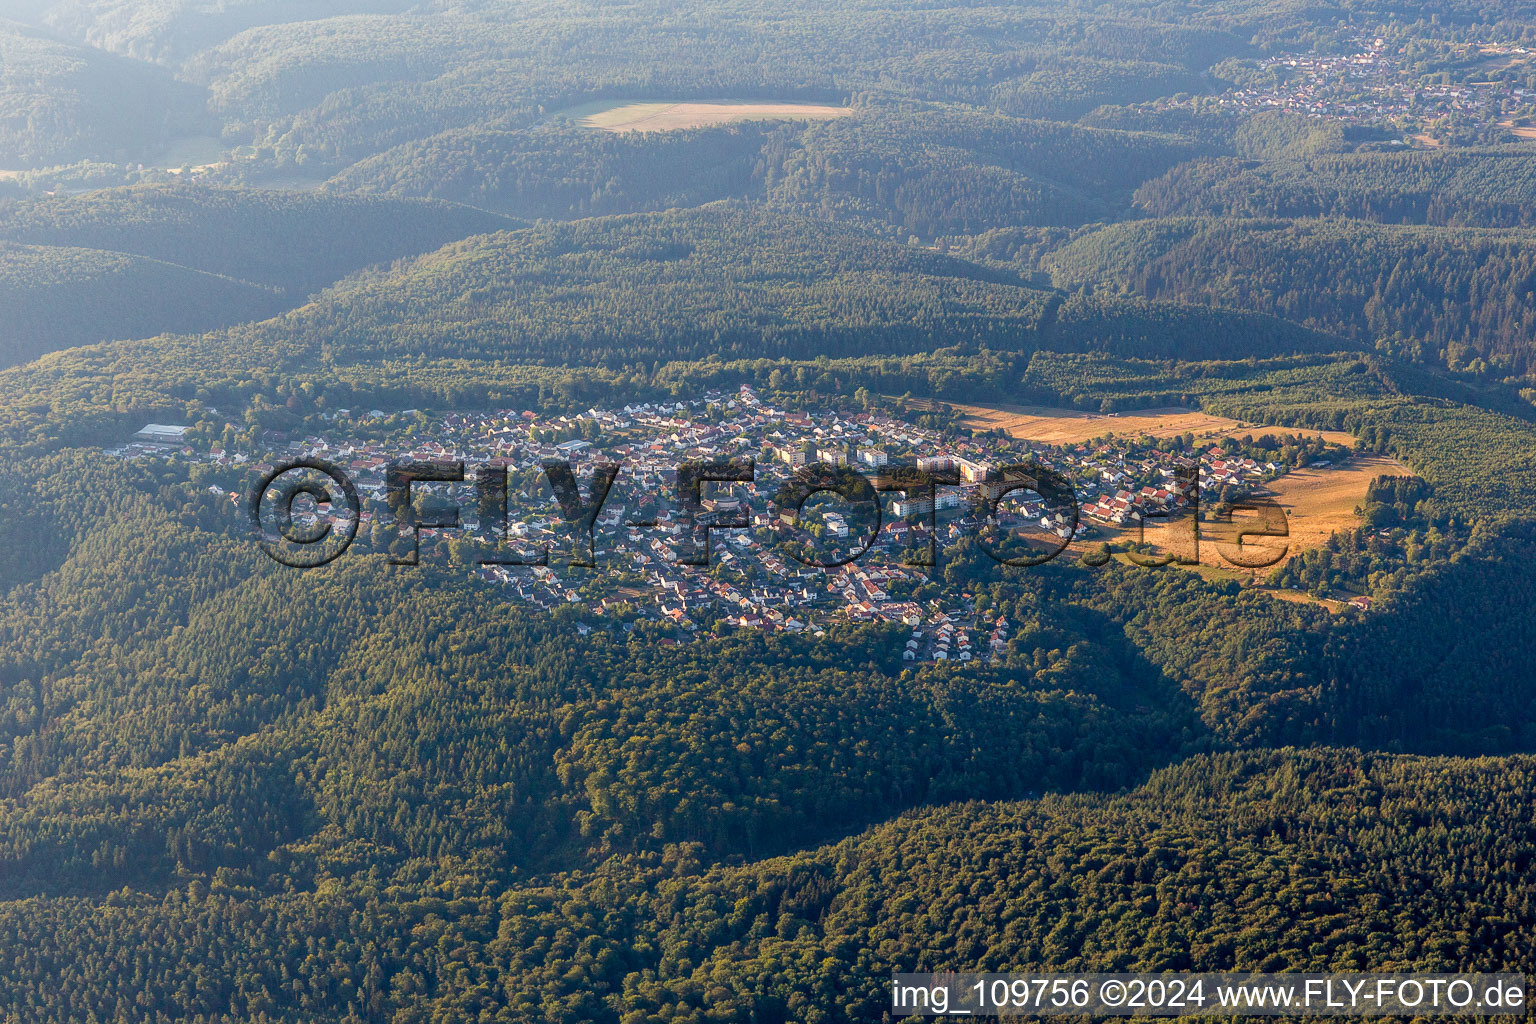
[(1318, 504), (669, 116), (1049, 425)]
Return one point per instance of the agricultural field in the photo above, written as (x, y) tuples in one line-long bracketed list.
[(1322, 502), (668, 116), (1318, 504), (1300, 597), (1050, 425), (1518, 131)]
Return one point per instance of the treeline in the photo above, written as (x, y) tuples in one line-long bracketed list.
[(58, 297), (1456, 296), (1243, 388), (1398, 535), (61, 103), (293, 242), (907, 169), (1335, 861), (566, 171), (1470, 456), (327, 97), (1452, 187)]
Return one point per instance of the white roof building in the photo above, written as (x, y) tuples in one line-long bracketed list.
[(162, 433)]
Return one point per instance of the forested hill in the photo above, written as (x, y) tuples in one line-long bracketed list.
[(721, 282), (81, 269), (725, 280), (563, 171), (1459, 296), (295, 242), (61, 103), (58, 297), (952, 171), (1455, 187), (1263, 861), (167, 31), (728, 281), (914, 169), (346, 88)]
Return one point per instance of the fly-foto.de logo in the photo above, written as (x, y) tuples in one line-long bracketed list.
[(793, 513)]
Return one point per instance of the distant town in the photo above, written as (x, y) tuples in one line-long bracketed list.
[(1378, 84)]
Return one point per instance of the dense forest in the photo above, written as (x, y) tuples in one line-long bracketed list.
[(1459, 188), (1457, 296), (167, 30), (60, 297), (913, 169), (76, 270), (294, 242), (948, 172), (564, 171), (640, 297), (1205, 867), (363, 77), (61, 103)]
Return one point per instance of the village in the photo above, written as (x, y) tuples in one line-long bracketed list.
[(751, 580), (1375, 85)]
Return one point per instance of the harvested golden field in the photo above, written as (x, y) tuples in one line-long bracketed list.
[(668, 116), (1520, 132), (1318, 503), (1297, 597), (1050, 425), (1321, 502)]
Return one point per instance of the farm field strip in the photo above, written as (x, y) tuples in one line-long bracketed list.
[(1318, 504), (669, 116), (1051, 425)]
